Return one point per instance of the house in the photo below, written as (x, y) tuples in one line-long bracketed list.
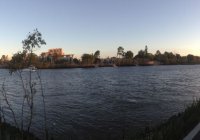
[(56, 51), (56, 54)]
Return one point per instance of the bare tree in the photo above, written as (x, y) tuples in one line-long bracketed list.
[(33, 41), (23, 60)]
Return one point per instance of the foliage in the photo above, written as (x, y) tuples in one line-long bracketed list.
[(190, 58), (9, 132), (27, 56), (175, 128), (76, 61), (167, 58), (146, 50), (141, 54), (18, 61), (4, 59), (97, 57), (33, 40), (129, 55), (157, 56), (97, 54), (87, 59), (120, 51)]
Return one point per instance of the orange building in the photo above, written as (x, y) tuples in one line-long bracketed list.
[(56, 54), (56, 51)]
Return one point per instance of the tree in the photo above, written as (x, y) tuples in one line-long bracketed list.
[(76, 61), (33, 41), (129, 55), (4, 59), (141, 54), (18, 61), (190, 58), (120, 51), (178, 58), (169, 58), (97, 54), (97, 57), (158, 55), (146, 50), (30, 81), (33, 58), (87, 58), (24, 59)]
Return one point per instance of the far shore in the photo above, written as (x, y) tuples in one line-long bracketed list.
[(9, 132), (70, 66)]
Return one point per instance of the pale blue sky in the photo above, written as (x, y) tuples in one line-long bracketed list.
[(84, 26)]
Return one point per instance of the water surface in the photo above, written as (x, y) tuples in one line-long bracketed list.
[(106, 103)]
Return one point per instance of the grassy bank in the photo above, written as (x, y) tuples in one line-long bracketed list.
[(175, 128), (8, 132)]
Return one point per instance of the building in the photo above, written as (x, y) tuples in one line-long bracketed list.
[(56, 54), (56, 51)]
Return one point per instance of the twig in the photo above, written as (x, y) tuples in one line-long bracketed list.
[(7, 102)]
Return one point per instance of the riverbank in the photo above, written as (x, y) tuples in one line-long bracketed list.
[(59, 66), (69, 66), (176, 127), (8, 132)]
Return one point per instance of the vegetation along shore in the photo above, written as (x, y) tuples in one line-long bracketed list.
[(55, 58), (176, 127)]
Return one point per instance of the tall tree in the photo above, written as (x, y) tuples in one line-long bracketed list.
[(97, 54), (146, 50), (24, 59), (87, 58), (120, 51), (33, 41), (158, 55), (141, 54), (129, 55), (97, 57)]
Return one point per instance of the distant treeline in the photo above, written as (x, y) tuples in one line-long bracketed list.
[(167, 58), (122, 58), (143, 57)]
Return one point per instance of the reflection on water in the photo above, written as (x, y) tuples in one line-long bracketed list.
[(104, 103)]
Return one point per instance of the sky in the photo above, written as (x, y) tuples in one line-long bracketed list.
[(84, 26)]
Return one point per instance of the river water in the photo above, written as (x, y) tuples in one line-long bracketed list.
[(106, 103)]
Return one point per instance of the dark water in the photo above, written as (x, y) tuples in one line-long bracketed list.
[(106, 103)]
